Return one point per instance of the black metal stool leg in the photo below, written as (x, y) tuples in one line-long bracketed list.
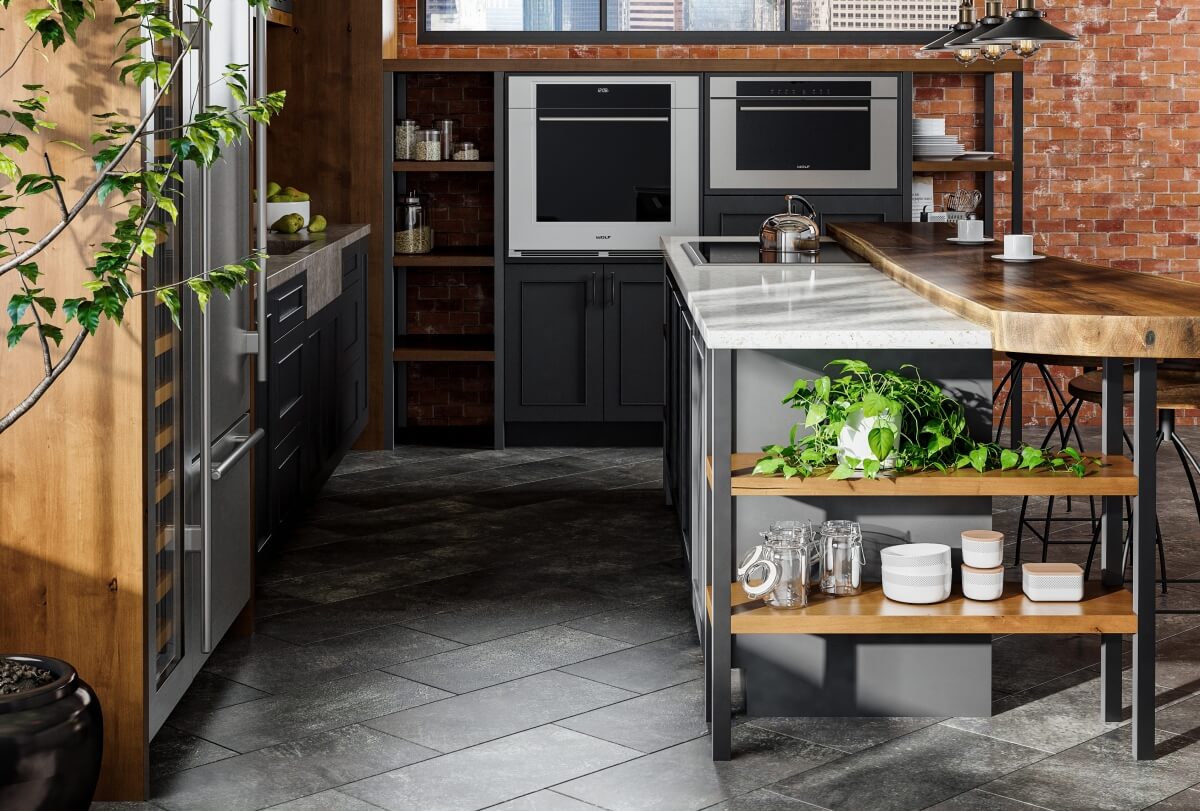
[(1162, 555), (1046, 528), (1013, 378)]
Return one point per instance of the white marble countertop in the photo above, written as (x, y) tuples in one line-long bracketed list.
[(833, 306)]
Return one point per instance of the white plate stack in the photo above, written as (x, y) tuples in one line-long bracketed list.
[(916, 573), (931, 143)]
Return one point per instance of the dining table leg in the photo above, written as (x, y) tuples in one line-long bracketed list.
[(1111, 536), (1145, 424)]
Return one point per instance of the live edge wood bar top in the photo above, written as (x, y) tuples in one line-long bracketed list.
[(749, 66), (1102, 610), (1053, 306)]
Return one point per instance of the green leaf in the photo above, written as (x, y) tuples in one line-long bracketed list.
[(816, 414), (18, 304), (881, 440), (768, 466), (1074, 454), (1008, 459), (52, 332), (203, 290), (29, 271), (874, 404), (789, 472), (978, 458), (1031, 457), (843, 472), (35, 17), (871, 468), (822, 387), (16, 332)]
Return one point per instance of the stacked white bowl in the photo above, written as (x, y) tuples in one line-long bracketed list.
[(916, 573)]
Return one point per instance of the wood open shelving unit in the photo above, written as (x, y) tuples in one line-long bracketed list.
[(450, 348), (1103, 610), (963, 166), (448, 258), (431, 167)]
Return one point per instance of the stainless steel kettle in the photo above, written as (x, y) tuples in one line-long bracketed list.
[(790, 236)]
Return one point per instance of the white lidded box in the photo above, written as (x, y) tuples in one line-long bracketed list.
[(983, 548), (982, 584), (916, 573), (1052, 582)]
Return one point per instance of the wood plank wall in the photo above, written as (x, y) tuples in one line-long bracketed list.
[(328, 143), (71, 490)]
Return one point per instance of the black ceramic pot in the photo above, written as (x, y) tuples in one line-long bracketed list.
[(50, 742)]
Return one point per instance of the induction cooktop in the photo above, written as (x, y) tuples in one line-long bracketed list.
[(722, 252)]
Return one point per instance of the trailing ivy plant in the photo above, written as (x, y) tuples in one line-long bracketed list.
[(932, 429), (151, 49)]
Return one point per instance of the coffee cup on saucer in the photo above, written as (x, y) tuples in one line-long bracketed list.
[(1018, 246), (970, 231)]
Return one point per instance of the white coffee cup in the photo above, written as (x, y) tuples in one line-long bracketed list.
[(970, 230), (1018, 246)]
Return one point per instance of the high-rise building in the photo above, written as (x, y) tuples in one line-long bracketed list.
[(891, 15), (561, 15), (653, 15), (810, 15)]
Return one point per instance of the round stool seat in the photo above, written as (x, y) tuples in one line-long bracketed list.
[(1053, 360), (1175, 390)]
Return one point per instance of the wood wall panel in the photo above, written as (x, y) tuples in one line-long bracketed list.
[(71, 490), (328, 142)]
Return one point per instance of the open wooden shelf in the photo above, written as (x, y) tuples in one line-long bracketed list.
[(277, 17), (446, 348), (444, 166), (963, 166), (1103, 610), (457, 257), (1116, 478)]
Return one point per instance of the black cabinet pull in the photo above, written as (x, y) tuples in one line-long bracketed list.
[(612, 287), (593, 298)]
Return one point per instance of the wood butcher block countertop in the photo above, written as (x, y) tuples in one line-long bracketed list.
[(1053, 306)]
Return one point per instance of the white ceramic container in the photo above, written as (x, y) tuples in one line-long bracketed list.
[(1052, 582), (919, 595), (983, 548), (982, 584), (908, 555), (277, 210)]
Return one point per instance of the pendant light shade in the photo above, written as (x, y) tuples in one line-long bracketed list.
[(993, 19), (1026, 26), (965, 24)]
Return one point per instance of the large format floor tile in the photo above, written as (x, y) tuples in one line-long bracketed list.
[(649, 722), (648, 622), (492, 772), (647, 667), (844, 734), (914, 771), (472, 718), (685, 778)]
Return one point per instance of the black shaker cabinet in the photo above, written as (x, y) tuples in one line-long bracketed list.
[(583, 343), (315, 393)]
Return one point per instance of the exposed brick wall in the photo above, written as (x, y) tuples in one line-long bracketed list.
[(1111, 129)]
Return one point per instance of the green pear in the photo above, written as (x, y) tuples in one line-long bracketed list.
[(318, 224), (288, 224), (296, 195), (273, 189)]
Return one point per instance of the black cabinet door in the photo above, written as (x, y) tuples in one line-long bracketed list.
[(737, 215), (633, 343), (554, 343), (352, 346)]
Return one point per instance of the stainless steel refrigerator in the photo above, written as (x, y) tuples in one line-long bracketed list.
[(201, 535)]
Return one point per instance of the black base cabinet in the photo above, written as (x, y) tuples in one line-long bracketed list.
[(316, 391), (583, 343), (743, 215)]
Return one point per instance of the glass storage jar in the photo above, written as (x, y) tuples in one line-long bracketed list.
[(406, 138), (843, 557), (466, 151), (413, 233), (788, 563), (428, 146), (445, 128)]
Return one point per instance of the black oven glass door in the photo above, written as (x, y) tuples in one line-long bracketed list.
[(819, 134), (608, 165)]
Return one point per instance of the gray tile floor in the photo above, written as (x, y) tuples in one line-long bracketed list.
[(458, 629)]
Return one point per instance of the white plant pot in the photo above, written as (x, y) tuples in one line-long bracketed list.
[(852, 441), (277, 210)]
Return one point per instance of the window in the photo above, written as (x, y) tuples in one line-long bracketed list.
[(667, 21)]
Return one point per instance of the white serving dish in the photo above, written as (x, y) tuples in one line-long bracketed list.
[(918, 580), (918, 595), (982, 548), (1052, 582), (907, 555), (982, 584), (277, 210), (917, 571)]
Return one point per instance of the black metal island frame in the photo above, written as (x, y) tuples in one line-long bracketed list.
[(738, 336)]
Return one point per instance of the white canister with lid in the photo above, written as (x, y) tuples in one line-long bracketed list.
[(1052, 582), (983, 548), (982, 584)]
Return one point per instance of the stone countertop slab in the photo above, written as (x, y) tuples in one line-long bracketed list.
[(832, 306), (320, 258)]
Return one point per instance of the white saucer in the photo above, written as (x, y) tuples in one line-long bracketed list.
[(1004, 258), (958, 241)]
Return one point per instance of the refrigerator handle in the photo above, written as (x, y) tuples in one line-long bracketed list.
[(260, 203), (244, 444)]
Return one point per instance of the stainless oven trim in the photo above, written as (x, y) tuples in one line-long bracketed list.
[(723, 176), (527, 236)]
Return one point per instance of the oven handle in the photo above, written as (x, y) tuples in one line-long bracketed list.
[(805, 109), (603, 118)]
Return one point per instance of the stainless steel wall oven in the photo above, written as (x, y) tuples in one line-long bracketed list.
[(601, 165), (810, 133)]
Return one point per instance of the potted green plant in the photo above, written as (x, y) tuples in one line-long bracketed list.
[(864, 422)]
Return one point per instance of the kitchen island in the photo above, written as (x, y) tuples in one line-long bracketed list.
[(739, 335)]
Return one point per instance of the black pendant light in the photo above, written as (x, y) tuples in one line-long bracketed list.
[(993, 18), (1026, 30), (965, 24)]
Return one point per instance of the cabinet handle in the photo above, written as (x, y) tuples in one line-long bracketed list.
[(612, 287), (592, 300)]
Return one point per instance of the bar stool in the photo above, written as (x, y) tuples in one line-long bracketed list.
[(1178, 388)]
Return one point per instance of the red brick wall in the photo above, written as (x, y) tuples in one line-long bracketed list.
[(1112, 128)]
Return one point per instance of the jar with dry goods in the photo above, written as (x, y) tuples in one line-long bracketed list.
[(445, 128), (466, 151), (413, 233), (406, 138), (428, 146)]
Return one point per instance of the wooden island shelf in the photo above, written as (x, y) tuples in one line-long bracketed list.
[(963, 166), (1101, 611), (1115, 478)]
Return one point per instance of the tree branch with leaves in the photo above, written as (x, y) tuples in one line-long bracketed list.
[(152, 47)]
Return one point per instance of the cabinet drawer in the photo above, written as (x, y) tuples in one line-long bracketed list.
[(287, 306), (286, 390)]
